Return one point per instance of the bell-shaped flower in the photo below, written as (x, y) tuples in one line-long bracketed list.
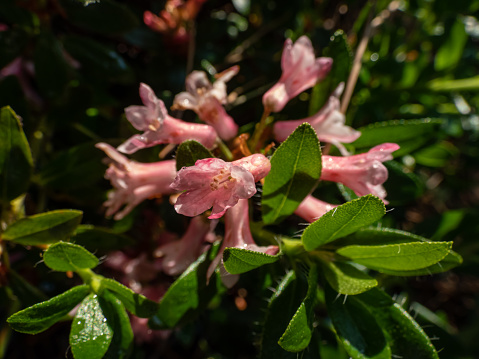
[(363, 173), (134, 182), (311, 208), (301, 71), (212, 182), (158, 127), (329, 124), (207, 100), (178, 255), (237, 235)]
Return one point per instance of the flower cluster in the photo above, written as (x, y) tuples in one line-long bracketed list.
[(224, 187)]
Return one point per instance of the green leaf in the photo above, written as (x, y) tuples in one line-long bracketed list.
[(338, 48), (405, 337), (41, 316), (295, 170), (238, 260), (409, 134), (16, 162), (91, 334), (437, 155), (99, 238), (377, 236), (356, 327), (347, 279), (135, 303), (297, 335), (96, 58), (119, 323), (105, 17), (51, 68), (284, 303), (44, 228), (448, 85), (402, 186), (189, 152), (405, 256), (188, 295), (65, 257), (77, 167), (451, 50), (451, 260), (343, 220)]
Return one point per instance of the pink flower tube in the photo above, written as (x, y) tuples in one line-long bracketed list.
[(215, 183), (134, 182), (363, 173), (238, 235), (310, 209), (301, 71), (159, 127), (178, 255), (207, 101), (329, 123)]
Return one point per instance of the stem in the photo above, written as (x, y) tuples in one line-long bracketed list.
[(357, 63), (292, 247), (90, 278), (258, 132), (224, 149)]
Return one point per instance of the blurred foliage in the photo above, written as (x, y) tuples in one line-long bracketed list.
[(68, 70)]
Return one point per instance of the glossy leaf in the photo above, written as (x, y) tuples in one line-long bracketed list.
[(451, 50), (282, 306), (105, 17), (119, 322), (408, 134), (187, 295), (405, 337), (41, 316), (356, 327), (15, 157), (295, 170), (344, 278), (238, 260), (298, 334), (405, 256), (343, 220), (91, 333), (135, 303), (189, 152), (65, 257), (44, 228)]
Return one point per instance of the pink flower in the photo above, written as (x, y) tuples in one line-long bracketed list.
[(329, 124), (310, 209), (178, 255), (159, 127), (363, 173), (206, 100), (134, 182), (215, 183), (301, 70), (238, 235)]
